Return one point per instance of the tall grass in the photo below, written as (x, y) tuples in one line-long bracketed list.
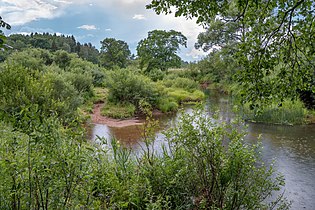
[(288, 113)]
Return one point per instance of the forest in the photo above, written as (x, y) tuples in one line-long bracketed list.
[(50, 85)]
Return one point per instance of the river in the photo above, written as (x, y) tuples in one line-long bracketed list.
[(292, 147)]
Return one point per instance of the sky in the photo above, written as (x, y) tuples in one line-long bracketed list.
[(94, 20)]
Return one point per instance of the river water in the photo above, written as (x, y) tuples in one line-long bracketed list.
[(292, 147)]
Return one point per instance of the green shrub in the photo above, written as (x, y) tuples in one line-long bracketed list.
[(182, 83), (31, 58), (198, 170), (182, 96), (167, 104), (50, 92), (129, 87), (83, 83), (156, 74), (100, 94), (118, 111)]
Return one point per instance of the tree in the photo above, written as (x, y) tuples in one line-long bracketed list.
[(159, 49), (114, 53), (277, 49), (3, 25)]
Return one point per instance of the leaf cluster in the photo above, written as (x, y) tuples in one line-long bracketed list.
[(159, 49)]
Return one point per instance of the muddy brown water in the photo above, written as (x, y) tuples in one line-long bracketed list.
[(292, 147)]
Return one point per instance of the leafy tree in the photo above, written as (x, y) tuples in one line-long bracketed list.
[(221, 33), (114, 53), (278, 42), (158, 50), (4, 25)]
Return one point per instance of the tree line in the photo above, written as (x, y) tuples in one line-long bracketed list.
[(157, 51)]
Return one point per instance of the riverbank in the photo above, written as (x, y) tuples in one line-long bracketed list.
[(97, 118)]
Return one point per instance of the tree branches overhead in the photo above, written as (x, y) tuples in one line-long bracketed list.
[(271, 37)]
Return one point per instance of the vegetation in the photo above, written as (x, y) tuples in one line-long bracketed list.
[(118, 111), (114, 53), (287, 112), (48, 81), (51, 42), (48, 166), (266, 35), (2, 37), (158, 50)]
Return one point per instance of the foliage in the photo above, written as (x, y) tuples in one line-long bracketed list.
[(100, 94), (218, 67), (48, 87), (47, 166), (43, 170), (114, 53), (216, 177), (33, 59), (2, 37), (288, 112), (158, 50), (155, 74), (167, 104), (118, 111), (180, 82), (62, 59), (273, 33), (53, 43), (126, 86), (183, 96)]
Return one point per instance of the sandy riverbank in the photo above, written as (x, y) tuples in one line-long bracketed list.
[(118, 123)]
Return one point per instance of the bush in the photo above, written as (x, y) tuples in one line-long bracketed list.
[(182, 83), (182, 96), (50, 92), (82, 83), (129, 87), (167, 104), (209, 166), (156, 74)]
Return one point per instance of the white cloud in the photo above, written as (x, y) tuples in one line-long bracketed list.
[(138, 17), (19, 12), (195, 54), (63, 1), (88, 27), (108, 29)]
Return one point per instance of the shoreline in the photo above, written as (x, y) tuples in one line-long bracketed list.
[(97, 118)]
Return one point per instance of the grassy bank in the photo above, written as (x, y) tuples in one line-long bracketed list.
[(287, 113)]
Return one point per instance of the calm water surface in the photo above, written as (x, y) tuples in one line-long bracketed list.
[(292, 147)]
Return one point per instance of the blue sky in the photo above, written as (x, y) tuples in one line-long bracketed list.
[(94, 20)]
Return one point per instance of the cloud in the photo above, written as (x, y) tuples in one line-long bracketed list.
[(108, 29), (138, 17), (195, 54), (19, 12), (88, 27)]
